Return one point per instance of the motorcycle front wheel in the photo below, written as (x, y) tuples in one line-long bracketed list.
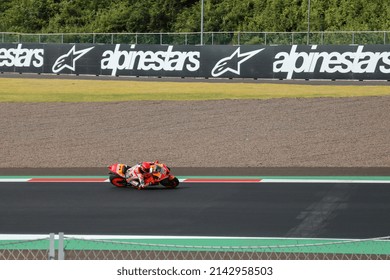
[(117, 181), (170, 183)]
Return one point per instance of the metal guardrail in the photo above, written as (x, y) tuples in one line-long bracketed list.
[(209, 38)]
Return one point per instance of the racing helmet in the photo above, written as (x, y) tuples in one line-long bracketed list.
[(145, 166)]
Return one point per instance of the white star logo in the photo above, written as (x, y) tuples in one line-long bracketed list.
[(232, 63), (69, 60)]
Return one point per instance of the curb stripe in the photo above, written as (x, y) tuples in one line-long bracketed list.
[(323, 181), (222, 180), (70, 180), (13, 180)]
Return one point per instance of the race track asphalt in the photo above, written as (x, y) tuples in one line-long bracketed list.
[(344, 210)]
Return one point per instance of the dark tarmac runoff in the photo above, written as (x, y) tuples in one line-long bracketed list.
[(309, 210)]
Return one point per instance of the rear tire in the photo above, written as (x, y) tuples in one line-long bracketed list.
[(117, 181), (170, 184)]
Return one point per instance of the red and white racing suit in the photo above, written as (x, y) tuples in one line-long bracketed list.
[(136, 172)]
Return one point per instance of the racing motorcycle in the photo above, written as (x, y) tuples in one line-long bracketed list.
[(160, 175)]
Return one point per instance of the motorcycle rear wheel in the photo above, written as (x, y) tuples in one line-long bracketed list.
[(170, 184), (117, 181)]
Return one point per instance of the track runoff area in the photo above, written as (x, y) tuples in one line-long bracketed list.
[(302, 215)]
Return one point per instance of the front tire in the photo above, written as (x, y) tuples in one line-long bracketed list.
[(170, 183), (117, 181)]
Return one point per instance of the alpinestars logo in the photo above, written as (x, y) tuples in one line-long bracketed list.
[(138, 60), (232, 63), (69, 60), (21, 57), (313, 61)]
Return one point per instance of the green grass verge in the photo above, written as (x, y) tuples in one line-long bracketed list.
[(57, 90)]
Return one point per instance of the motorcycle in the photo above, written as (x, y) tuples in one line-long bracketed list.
[(160, 175)]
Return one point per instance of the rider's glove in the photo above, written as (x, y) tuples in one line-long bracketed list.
[(141, 184)]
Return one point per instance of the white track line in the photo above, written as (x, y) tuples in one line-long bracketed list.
[(348, 181)]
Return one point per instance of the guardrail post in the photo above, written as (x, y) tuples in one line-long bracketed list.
[(61, 253), (51, 247)]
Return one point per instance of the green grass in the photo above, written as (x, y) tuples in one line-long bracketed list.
[(57, 90)]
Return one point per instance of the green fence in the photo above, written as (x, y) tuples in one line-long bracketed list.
[(209, 38)]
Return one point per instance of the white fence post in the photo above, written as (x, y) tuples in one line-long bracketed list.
[(51, 247), (61, 253)]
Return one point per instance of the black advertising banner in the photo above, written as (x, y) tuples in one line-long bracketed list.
[(359, 62), (18, 58)]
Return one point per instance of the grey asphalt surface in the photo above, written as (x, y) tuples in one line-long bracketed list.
[(230, 209)]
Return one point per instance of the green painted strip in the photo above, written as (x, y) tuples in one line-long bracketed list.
[(41, 244), (263, 245)]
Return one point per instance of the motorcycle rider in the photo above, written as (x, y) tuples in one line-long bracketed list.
[(141, 170)]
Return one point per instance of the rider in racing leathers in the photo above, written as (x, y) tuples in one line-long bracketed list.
[(140, 170)]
